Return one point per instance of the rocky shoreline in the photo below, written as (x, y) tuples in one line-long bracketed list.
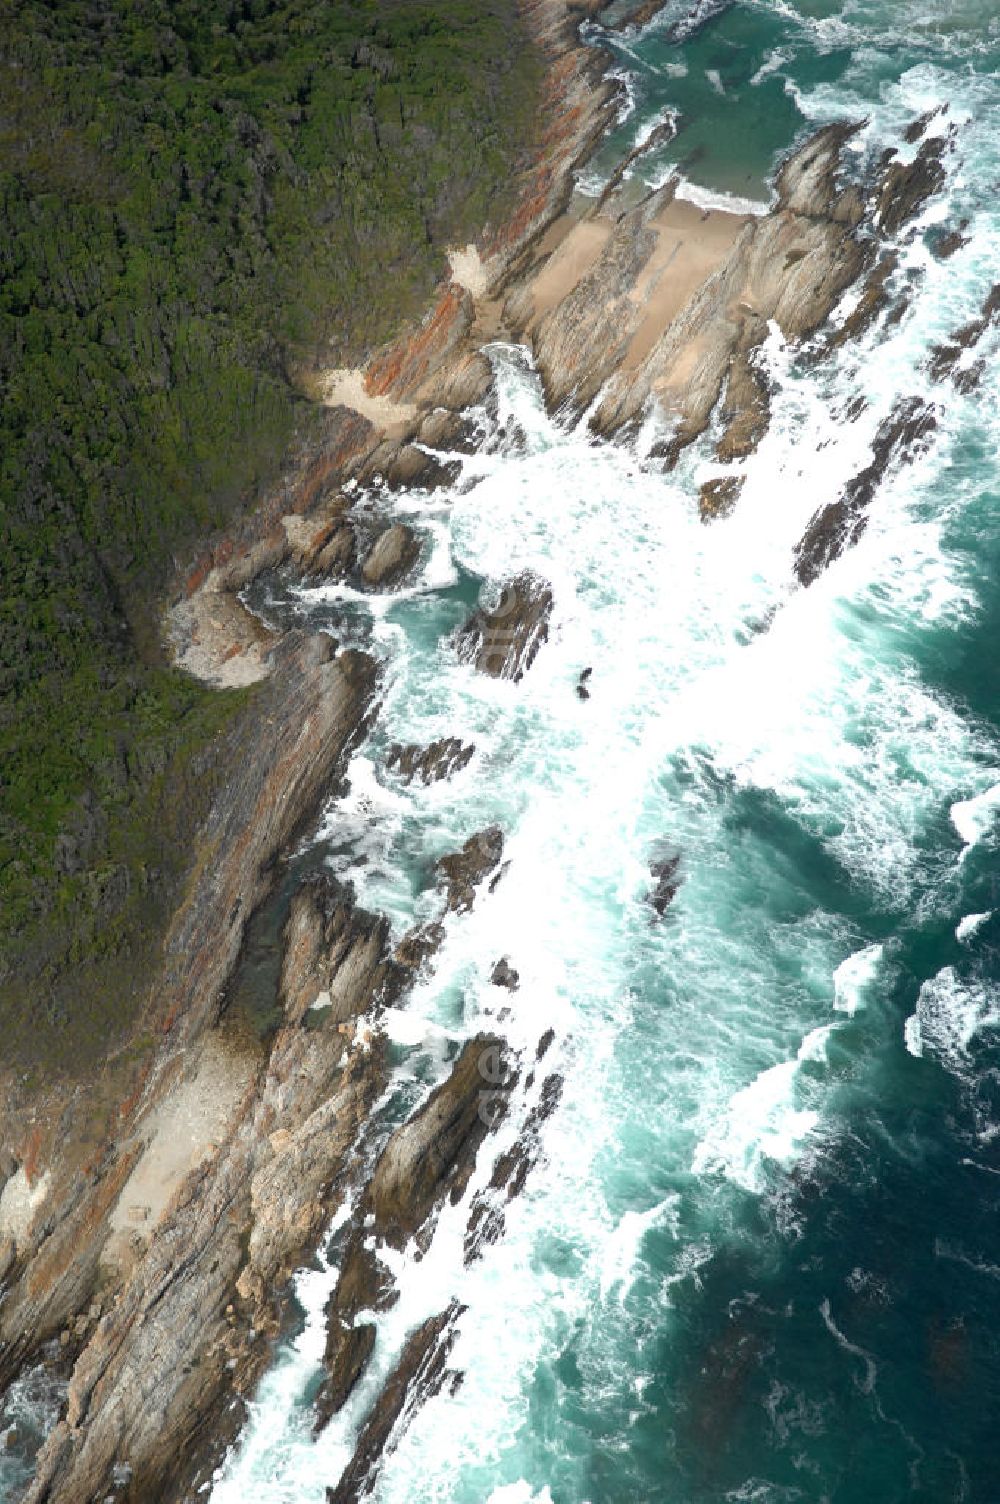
[(153, 1279)]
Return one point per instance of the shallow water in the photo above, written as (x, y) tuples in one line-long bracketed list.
[(759, 1261)]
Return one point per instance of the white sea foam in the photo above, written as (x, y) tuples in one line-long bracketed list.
[(951, 1013), (970, 925)]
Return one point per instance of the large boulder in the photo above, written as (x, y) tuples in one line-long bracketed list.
[(391, 556)]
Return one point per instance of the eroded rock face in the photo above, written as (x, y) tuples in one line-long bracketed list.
[(333, 952), (432, 763), (504, 641), (392, 555), (903, 435)]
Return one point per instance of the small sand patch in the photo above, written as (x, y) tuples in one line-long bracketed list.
[(346, 388), (693, 244), (577, 250), (19, 1203), (468, 271)]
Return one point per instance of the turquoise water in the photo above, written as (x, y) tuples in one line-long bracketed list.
[(761, 1259)]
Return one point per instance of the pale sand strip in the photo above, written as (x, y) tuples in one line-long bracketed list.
[(578, 244), (693, 244), (346, 388), (180, 1134)]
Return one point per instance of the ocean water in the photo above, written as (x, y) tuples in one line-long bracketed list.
[(760, 1258)]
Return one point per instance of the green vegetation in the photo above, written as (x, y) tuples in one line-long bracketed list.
[(198, 198)]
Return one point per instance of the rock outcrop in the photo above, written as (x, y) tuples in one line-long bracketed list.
[(904, 434), (503, 641), (391, 556), (432, 763)]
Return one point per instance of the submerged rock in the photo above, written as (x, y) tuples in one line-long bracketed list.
[(504, 641), (665, 872)]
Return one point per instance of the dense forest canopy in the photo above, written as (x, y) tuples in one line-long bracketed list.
[(198, 199)]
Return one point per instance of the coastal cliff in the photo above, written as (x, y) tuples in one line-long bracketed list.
[(157, 1274)]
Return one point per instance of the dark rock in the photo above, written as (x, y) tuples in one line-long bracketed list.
[(446, 430), (873, 301), (665, 872), (510, 1173), (419, 1374), (430, 764), (903, 435), (504, 975), (945, 246), (464, 870), (718, 497), (391, 556), (917, 128), (582, 691), (504, 641), (906, 187), (945, 358)]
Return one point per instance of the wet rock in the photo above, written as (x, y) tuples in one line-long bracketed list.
[(433, 1154), (918, 127), (391, 556), (345, 1365), (717, 498), (874, 300), (447, 430), (417, 1377), (903, 435), (946, 359), (504, 975), (746, 406), (665, 873), (510, 1173), (432, 763), (906, 187), (505, 640), (418, 945), (583, 693), (946, 246), (464, 870), (414, 467)]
